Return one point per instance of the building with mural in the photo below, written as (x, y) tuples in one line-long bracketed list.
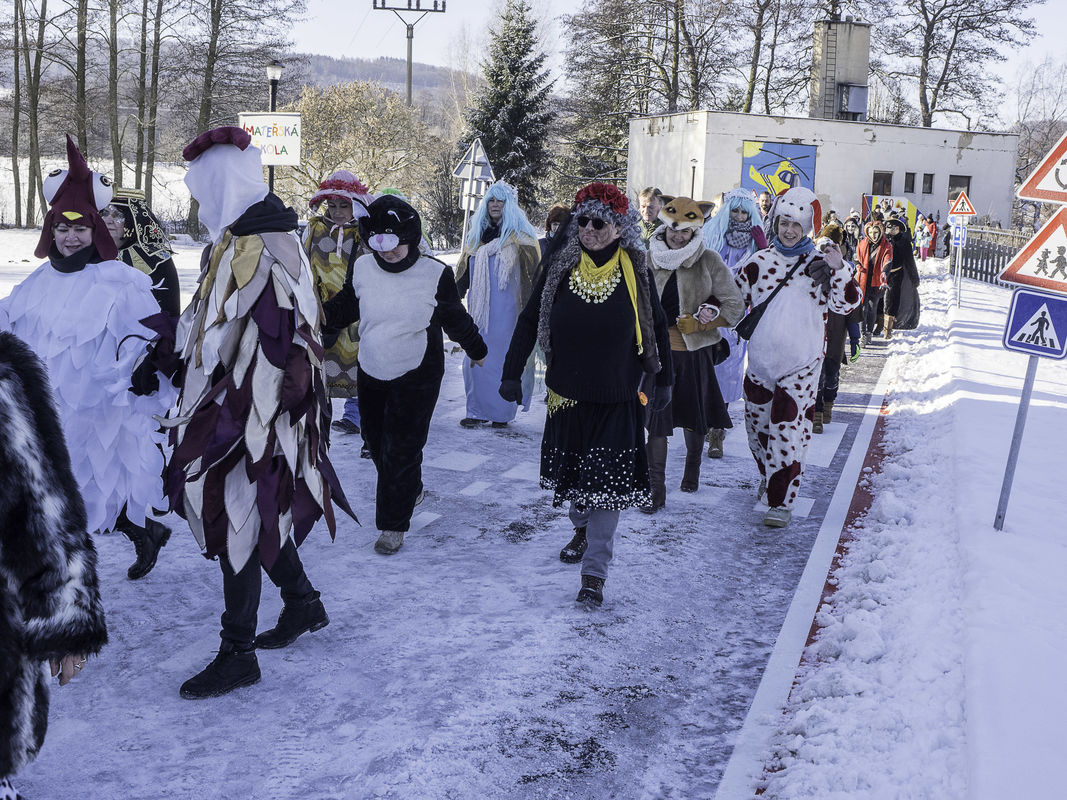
[(834, 151), (705, 153)]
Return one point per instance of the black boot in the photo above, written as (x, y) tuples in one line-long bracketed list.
[(575, 549), (694, 444), (297, 619), (231, 669), (147, 541), (656, 450), (592, 591)]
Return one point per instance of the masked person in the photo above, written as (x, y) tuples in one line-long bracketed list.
[(496, 272), (81, 312), (785, 352), (596, 315), (250, 471), (332, 242), (403, 299)]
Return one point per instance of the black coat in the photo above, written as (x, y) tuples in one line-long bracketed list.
[(49, 601)]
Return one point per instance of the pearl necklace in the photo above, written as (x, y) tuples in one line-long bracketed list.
[(594, 291)]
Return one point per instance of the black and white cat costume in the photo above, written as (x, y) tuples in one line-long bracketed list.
[(402, 308)]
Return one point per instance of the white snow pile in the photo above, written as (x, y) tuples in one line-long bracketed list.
[(937, 668)]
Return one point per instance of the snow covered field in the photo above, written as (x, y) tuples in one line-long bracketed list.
[(461, 668)]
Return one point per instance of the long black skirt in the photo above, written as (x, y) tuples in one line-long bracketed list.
[(594, 454), (696, 403)]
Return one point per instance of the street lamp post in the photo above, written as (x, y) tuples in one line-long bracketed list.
[(274, 74)]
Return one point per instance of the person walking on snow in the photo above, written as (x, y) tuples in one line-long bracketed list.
[(596, 314), (250, 470), (81, 312), (332, 243), (496, 272), (873, 256), (786, 349), (699, 298), (735, 233), (403, 299)]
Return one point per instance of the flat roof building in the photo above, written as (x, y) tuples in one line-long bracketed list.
[(703, 153)]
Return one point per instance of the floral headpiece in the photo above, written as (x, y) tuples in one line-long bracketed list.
[(604, 193)]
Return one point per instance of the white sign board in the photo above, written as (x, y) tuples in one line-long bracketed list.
[(276, 134)]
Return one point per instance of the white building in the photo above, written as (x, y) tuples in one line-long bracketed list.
[(704, 153)]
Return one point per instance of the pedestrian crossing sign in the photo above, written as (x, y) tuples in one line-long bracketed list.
[(1037, 324), (963, 207)]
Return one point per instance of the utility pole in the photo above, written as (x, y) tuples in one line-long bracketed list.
[(423, 6)]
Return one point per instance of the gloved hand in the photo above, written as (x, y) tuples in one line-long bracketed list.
[(707, 313), (688, 324), (661, 398), (144, 380), (511, 390), (820, 273)]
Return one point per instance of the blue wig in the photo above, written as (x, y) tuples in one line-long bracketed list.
[(715, 228), (512, 219)]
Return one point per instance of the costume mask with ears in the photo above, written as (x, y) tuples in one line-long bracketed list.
[(683, 212)]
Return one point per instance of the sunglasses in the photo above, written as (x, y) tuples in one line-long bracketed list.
[(598, 224), (109, 211)]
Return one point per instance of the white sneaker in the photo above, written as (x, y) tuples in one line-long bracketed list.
[(777, 517), (389, 542)]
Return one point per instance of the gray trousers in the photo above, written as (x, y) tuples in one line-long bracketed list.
[(600, 525)]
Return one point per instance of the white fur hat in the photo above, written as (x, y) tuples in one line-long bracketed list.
[(800, 205)]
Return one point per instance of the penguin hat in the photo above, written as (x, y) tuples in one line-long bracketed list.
[(75, 196)]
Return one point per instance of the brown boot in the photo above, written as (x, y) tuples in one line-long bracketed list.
[(827, 411), (816, 422), (889, 322)]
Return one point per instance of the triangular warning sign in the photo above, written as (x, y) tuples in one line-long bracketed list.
[(1049, 180), (474, 159), (962, 207), (1042, 262), (1039, 330)]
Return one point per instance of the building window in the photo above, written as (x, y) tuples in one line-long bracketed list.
[(957, 184), (909, 183), (883, 183), (928, 183)]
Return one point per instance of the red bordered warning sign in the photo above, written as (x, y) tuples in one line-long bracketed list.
[(1042, 262), (1049, 181), (962, 207)]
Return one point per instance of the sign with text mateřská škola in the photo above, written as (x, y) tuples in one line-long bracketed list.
[(1037, 324), (276, 134)]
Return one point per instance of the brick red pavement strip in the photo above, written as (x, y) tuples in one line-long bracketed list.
[(861, 503)]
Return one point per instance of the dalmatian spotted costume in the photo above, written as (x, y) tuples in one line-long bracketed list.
[(786, 350)]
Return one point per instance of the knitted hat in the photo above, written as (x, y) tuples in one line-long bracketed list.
[(346, 185), (799, 205), (76, 195)]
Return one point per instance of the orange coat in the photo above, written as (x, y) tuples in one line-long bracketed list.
[(882, 258)]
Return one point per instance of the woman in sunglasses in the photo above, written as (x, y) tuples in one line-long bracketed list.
[(597, 317)]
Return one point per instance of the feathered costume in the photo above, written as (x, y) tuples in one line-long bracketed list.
[(250, 465), (77, 313)]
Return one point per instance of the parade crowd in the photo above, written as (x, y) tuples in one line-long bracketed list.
[(647, 315)]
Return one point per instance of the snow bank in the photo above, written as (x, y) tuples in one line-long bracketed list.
[(935, 671)]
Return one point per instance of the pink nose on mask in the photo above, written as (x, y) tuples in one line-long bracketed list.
[(384, 242)]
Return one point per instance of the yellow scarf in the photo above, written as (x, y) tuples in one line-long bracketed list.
[(592, 275)]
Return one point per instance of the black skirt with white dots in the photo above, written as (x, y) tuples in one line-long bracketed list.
[(594, 454)]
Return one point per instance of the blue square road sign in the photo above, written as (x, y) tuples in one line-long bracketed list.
[(1037, 324)]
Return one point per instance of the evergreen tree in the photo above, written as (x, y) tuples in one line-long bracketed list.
[(512, 114)]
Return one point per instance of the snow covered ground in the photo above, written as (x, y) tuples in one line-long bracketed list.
[(461, 668)]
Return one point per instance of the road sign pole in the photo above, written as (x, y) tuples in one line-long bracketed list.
[(468, 189), (1016, 442)]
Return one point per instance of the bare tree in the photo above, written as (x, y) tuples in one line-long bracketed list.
[(944, 48)]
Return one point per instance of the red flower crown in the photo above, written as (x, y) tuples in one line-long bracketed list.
[(604, 193)]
